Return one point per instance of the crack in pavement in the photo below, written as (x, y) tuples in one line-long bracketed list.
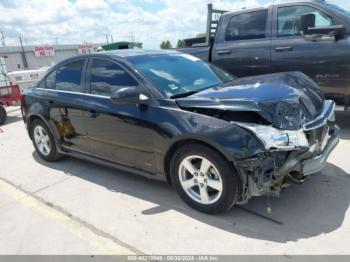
[(51, 185)]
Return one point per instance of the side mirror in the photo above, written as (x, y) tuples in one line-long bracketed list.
[(307, 22), (308, 27), (332, 30), (128, 95)]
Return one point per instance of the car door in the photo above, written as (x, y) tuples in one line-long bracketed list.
[(242, 45), (325, 61), (117, 132), (63, 90)]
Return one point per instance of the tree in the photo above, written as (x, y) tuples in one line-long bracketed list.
[(166, 45), (181, 43), (201, 35)]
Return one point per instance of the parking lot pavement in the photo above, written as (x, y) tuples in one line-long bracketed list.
[(29, 226), (147, 216)]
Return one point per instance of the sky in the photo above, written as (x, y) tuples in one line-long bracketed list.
[(75, 21)]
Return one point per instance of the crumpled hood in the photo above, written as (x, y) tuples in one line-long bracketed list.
[(286, 100)]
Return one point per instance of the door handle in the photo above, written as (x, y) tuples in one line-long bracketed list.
[(284, 49), (224, 52), (93, 114)]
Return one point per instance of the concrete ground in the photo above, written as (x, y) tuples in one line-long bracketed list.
[(73, 206)]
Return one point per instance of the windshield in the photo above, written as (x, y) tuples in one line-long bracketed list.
[(337, 8), (175, 74)]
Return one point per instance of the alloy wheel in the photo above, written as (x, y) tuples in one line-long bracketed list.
[(42, 140), (200, 179)]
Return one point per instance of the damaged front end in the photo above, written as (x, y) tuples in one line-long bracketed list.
[(290, 156), (287, 113)]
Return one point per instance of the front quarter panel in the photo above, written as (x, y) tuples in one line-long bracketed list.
[(173, 125)]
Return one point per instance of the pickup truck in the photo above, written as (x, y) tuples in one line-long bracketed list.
[(308, 36)]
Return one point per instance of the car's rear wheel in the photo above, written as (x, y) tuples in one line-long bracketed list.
[(43, 141), (3, 115), (204, 179)]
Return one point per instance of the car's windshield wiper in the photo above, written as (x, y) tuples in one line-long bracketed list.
[(184, 94), (192, 92)]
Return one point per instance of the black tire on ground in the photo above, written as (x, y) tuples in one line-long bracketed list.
[(3, 115), (53, 155), (232, 187)]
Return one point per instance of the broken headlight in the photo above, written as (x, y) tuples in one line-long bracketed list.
[(279, 139)]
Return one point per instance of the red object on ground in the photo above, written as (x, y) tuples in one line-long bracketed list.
[(10, 95)]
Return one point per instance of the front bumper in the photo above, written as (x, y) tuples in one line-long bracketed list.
[(317, 163), (268, 173)]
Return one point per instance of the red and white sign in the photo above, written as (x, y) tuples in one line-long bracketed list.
[(46, 50), (85, 49)]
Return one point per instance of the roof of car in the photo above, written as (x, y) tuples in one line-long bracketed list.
[(137, 52), (119, 54)]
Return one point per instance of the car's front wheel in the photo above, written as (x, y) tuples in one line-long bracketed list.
[(204, 179), (43, 141)]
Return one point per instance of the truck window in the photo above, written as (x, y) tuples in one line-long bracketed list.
[(289, 19), (245, 26)]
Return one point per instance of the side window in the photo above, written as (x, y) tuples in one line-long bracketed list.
[(50, 80), (245, 26), (289, 19), (106, 77), (40, 84), (68, 77)]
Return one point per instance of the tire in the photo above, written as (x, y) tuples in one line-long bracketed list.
[(220, 174), (3, 115), (49, 152)]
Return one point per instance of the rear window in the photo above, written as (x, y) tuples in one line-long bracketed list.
[(246, 26)]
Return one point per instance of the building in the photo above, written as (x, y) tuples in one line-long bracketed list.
[(35, 57), (120, 45)]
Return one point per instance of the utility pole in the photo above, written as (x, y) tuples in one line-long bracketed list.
[(23, 54), (107, 38), (112, 39), (3, 38)]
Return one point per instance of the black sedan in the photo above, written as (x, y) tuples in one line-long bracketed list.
[(218, 139)]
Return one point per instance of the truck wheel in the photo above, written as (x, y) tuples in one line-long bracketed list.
[(204, 179), (43, 141), (3, 115)]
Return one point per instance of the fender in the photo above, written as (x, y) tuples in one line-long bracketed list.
[(36, 114), (230, 147)]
